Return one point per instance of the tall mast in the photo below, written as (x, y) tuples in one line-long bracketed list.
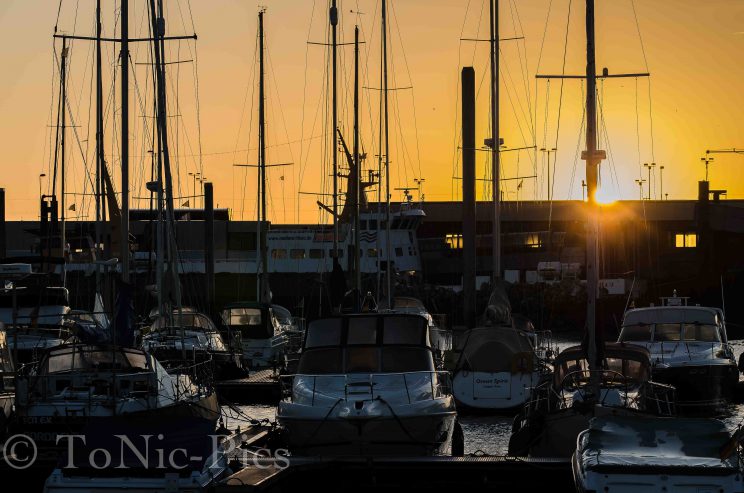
[(593, 159), (263, 273), (388, 270), (125, 140), (357, 175), (99, 138), (63, 129), (495, 141), (334, 49)]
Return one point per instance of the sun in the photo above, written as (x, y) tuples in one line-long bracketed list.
[(606, 197)]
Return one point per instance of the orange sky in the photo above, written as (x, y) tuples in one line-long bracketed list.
[(693, 50)]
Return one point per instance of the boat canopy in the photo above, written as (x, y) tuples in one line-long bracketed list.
[(495, 349), (632, 362), (253, 320), (190, 319), (655, 445), (672, 315), (79, 357), (669, 324)]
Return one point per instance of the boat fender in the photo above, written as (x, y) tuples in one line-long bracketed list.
[(522, 363)]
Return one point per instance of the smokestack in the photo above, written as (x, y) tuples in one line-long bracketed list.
[(468, 195), (209, 246)]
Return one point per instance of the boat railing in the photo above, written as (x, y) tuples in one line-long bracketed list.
[(191, 375), (353, 386)]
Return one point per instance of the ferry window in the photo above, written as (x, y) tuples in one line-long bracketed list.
[(372, 252), (702, 333), (405, 359), (340, 253), (278, 253), (398, 251), (362, 224), (685, 240), (297, 253), (361, 359), (321, 361), (324, 332), (383, 224), (636, 333), (667, 332), (373, 224), (362, 330), (454, 241), (316, 253), (396, 224)]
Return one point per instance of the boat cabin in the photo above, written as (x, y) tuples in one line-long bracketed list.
[(623, 366), (367, 343), (252, 320), (674, 324)]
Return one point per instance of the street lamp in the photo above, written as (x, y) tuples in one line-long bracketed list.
[(202, 181), (40, 178), (640, 183), (661, 182), (548, 152), (707, 160), (195, 176), (649, 167)]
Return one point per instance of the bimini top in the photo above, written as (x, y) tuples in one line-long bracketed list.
[(673, 315), (493, 349), (633, 362), (655, 445), (386, 329), (192, 320)]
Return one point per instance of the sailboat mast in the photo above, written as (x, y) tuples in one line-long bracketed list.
[(334, 151), (388, 253), (263, 273), (99, 139), (124, 140), (592, 165), (495, 141), (357, 176), (63, 129)]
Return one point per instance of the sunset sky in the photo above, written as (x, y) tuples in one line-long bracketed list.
[(693, 100)]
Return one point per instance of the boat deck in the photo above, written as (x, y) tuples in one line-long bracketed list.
[(258, 386)]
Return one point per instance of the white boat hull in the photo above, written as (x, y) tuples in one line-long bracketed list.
[(493, 391)]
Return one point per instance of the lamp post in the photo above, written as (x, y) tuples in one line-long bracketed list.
[(706, 161), (202, 181), (640, 183), (41, 176), (649, 167), (548, 152), (195, 177), (661, 182), (583, 190)]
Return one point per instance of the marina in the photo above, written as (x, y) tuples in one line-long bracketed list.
[(306, 316)]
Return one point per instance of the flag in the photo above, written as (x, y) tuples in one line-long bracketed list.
[(185, 204), (72, 207)]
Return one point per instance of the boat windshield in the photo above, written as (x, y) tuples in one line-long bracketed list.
[(188, 319), (77, 358), (365, 359), (573, 373), (670, 332)]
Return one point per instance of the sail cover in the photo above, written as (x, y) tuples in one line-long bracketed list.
[(496, 349)]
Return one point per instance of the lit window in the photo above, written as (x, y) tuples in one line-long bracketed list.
[(372, 252), (316, 253), (279, 253), (297, 253), (685, 240), (532, 240), (454, 241)]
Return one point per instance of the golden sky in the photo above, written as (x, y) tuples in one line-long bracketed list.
[(693, 50)]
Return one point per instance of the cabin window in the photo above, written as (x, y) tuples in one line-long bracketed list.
[(636, 333), (361, 359), (326, 332), (398, 251), (362, 330), (454, 241), (316, 253), (407, 330), (372, 252), (278, 253), (321, 361), (406, 359), (297, 253), (666, 332), (685, 240), (702, 333)]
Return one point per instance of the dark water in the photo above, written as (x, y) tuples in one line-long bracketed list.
[(489, 434)]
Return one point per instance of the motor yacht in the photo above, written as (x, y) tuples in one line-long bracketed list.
[(261, 332), (367, 385)]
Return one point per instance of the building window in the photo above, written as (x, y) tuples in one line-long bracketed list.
[(398, 251), (532, 240), (372, 252), (279, 253), (685, 240), (316, 253), (454, 241), (297, 253)]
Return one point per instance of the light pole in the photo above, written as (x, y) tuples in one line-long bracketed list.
[(202, 180), (583, 190), (41, 176), (195, 177), (548, 152), (707, 160), (649, 167), (661, 182), (640, 183)]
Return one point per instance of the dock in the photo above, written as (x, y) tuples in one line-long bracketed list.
[(259, 386), (471, 473)]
